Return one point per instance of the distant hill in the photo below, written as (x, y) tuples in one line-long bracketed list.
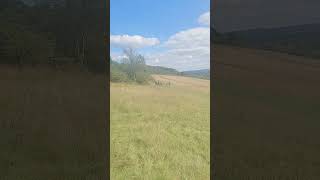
[(203, 73), (151, 69), (301, 40), (162, 70)]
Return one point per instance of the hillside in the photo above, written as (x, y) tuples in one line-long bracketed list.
[(265, 114), (161, 70), (160, 128), (302, 40), (202, 73), (52, 124)]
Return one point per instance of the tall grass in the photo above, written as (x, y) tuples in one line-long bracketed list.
[(159, 132), (52, 124), (266, 116)]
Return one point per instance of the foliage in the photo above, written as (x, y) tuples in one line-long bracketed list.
[(142, 77), (132, 68), (135, 66), (22, 46), (117, 75), (76, 30)]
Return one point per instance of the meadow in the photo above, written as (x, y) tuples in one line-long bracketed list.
[(160, 131), (265, 115), (52, 124)]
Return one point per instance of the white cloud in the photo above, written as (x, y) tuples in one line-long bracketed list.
[(185, 50), (118, 57), (190, 39), (126, 41), (204, 19)]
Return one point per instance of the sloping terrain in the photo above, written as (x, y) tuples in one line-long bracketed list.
[(183, 81), (202, 73), (265, 114), (52, 125), (160, 131), (302, 40)]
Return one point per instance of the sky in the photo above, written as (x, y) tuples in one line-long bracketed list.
[(232, 15), (169, 33)]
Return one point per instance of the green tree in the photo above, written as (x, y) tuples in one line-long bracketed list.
[(116, 72), (22, 46), (135, 66)]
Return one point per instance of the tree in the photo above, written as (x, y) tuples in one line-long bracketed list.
[(135, 66), (77, 28), (22, 46)]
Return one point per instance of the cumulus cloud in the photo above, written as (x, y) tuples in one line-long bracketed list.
[(118, 57), (136, 41), (190, 39), (185, 50), (204, 19)]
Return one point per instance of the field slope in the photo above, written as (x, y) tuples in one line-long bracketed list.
[(266, 114), (161, 132), (52, 124)]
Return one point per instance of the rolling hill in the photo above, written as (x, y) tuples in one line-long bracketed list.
[(202, 73), (301, 40), (265, 113), (162, 70)]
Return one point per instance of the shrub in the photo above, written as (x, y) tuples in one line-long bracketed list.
[(135, 66), (132, 68), (118, 75), (142, 77)]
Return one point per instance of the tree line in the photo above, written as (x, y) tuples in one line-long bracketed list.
[(33, 31)]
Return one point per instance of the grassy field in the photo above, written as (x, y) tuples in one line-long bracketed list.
[(52, 124), (266, 115), (161, 132)]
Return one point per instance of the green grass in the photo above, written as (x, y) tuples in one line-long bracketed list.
[(52, 124), (160, 132), (261, 134), (266, 117)]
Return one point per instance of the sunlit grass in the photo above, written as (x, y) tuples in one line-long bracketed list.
[(160, 132)]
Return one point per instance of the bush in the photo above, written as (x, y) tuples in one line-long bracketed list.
[(118, 75), (22, 46), (142, 77), (133, 68)]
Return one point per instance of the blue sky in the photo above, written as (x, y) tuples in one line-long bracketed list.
[(163, 31)]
